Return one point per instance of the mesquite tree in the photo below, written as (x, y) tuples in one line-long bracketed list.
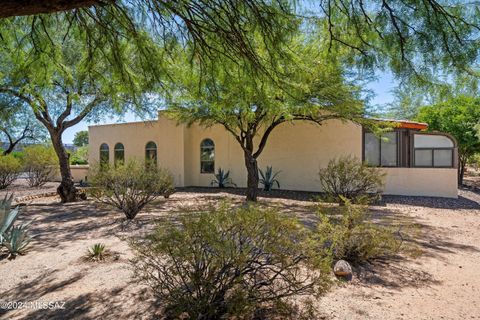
[(66, 84), (308, 87)]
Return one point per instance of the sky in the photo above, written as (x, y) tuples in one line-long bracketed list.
[(382, 88)]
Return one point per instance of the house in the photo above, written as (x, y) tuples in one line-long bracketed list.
[(416, 163)]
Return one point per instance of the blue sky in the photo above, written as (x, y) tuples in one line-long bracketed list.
[(382, 87)]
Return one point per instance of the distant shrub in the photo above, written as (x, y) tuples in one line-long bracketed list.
[(348, 178), (349, 236), (222, 179), (10, 168), (40, 164), (268, 178), (229, 264), (130, 187), (80, 156)]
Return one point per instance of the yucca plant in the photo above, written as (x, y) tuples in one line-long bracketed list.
[(222, 179), (16, 240), (268, 178), (97, 252)]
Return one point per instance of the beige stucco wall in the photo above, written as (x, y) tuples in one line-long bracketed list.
[(79, 172), (298, 150), (134, 136), (435, 182)]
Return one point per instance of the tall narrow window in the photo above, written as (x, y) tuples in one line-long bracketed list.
[(151, 154), (430, 150), (119, 154), (104, 154), (381, 151), (207, 156)]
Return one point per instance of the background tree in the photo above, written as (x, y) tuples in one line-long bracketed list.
[(68, 83), (81, 138), (459, 117), (16, 124), (308, 87)]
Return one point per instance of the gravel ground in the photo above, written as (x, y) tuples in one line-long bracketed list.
[(20, 189), (441, 283)]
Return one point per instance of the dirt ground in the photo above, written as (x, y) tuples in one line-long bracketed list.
[(441, 282)]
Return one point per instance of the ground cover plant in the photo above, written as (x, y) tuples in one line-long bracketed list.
[(230, 263), (131, 186)]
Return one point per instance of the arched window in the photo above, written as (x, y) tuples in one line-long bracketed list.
[(207, 156), (104, 154), (151, 154), (119, 154)]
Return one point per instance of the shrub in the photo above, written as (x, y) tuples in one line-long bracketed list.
[(268, 178), (351, 237), (10, 168), (41, 164), (222, 179), (14, 238), (348, 178), (97, 252), (229, 263), (80, 156), (130, 187)]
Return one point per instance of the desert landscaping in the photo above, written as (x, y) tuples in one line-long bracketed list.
[(440, 271)]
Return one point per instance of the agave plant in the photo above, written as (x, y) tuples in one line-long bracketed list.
[(268, 178), (97, 252), (222, 179), (7, 216), (17, 239)]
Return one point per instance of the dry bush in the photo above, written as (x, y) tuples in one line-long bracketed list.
[(130, 187), (230, 263), (40, 164), (349, 235), (10, 168), (348, 178)]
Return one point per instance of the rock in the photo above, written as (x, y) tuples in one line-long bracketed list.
[(342, 269)]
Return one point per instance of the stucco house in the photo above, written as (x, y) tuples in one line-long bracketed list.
[(416, 163)]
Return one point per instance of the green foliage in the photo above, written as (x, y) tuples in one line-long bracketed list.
[(229, 263), (97, 252), (349, 236), (10, 168), (14, 238), (268, 178), (40, 164), (459, 117), (81, 138), (222, 179), (80, 156), (131, 186), (347, 178)]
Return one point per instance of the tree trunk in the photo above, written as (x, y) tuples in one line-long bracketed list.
[(252, 176), (66, 190), (9, 149), (461, 171)]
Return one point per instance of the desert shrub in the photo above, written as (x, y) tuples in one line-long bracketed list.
[(349, 235), (13, 237), (130, 187), (40, 164), (269, 178), (222, 179), (96, 252), (80, 156), (10, 168), (348, 178), (229, 263)]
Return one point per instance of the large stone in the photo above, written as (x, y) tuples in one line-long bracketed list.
[(342, 269)]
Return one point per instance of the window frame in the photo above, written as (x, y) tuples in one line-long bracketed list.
[(107, 151), (432, 165), (398, 149), (147, 149), (202, 147), (115, 149)]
